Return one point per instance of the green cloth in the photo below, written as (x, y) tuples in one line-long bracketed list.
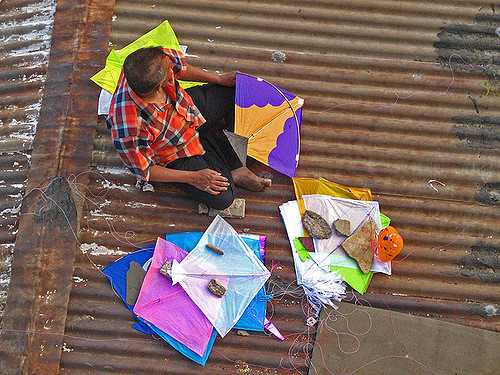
[(161, 36)]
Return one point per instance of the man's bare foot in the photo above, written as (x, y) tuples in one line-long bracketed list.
[(245, 178)]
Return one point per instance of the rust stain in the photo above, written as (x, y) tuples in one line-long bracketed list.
[(25, 37), (33, 325)]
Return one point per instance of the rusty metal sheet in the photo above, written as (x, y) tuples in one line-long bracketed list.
[(33, 324), (25, 33), (401, 97)]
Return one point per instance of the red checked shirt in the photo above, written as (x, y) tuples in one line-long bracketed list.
[(145, 134)]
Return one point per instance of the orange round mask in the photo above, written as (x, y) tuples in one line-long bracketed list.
[(390, 244)]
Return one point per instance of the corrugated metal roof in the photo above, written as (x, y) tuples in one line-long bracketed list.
[(393, 91), (25, 29)]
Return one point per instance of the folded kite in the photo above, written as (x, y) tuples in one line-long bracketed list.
[(321, 286), (308, 186), (116, 273), (269, 118), (239, 270)]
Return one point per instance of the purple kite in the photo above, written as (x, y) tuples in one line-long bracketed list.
[(269, 118)]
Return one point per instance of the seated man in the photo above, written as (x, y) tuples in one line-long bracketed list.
[(166, 134)]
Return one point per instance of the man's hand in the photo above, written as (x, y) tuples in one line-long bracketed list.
[(227, 79), (199, 75), (210, 181)]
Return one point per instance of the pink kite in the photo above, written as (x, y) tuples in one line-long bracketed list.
[(168, 306)]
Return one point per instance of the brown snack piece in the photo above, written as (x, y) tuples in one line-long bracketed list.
[(216, 288), (166, 269), (359, 245), (343, 226), (215, 249), (316, 225)]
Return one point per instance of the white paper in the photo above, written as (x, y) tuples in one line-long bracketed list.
[(357, 212), (105, 98)]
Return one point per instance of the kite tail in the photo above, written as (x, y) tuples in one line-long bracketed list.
[(324, 290)]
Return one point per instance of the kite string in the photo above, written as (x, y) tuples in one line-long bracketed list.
[(71, 180), (297, 347), (354, 335), (325, 322), (455, 56), (45, 197)]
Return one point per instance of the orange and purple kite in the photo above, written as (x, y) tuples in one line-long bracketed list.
[(269, 118)]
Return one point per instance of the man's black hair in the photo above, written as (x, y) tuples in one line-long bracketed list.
[(145, 69)]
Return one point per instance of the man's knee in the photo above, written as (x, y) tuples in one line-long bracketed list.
[(221, 201)]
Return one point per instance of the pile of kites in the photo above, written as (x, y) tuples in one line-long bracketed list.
[(347, 239), (180, 306)]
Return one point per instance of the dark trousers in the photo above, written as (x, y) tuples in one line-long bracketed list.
[(216, 103)]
